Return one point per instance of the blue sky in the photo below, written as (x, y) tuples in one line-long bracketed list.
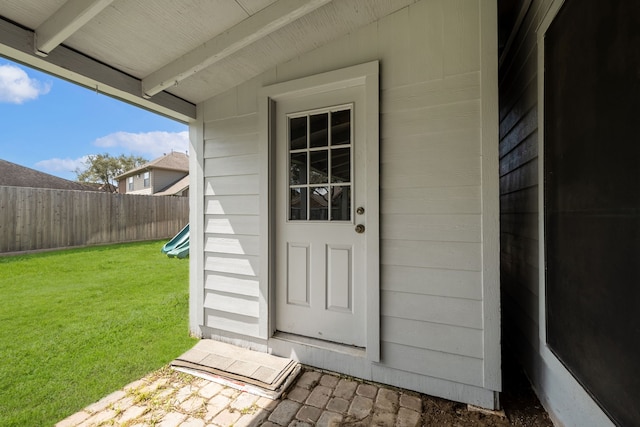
[(51, 125)]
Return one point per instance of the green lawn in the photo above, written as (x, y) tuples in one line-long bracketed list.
[(76, 325)]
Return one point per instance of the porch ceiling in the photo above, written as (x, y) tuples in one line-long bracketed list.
[(168, 55)]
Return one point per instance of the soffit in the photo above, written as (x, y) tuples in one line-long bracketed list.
[(139, 38)]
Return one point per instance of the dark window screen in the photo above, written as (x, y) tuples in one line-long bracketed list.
[(592, 199)]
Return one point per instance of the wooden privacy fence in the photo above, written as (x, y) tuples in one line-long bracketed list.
[(41, 218)]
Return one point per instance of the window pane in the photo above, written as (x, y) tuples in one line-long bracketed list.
[(341, 127), (298, 133), (298, 169), (319, 204), (341, 165), (318, 124), (298, 204), (319, 173), (341, 203)]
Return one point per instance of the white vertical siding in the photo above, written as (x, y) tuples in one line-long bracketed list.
[(431, 207), (231, 215), (431, 211)]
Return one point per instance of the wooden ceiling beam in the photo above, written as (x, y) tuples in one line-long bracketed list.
[(16, 43), (64, 22), (255, 27)]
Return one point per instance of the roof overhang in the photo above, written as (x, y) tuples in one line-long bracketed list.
[(169, 55), (18, 45)]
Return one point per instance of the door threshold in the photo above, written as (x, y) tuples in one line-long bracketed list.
[(320, 344)]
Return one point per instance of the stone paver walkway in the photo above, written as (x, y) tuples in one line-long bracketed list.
[(169, 398)]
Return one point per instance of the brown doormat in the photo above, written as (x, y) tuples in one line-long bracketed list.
[(248, 370)]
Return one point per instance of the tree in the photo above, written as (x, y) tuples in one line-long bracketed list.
[(103, 168)]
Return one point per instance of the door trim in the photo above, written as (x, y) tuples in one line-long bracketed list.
[(365, 76)]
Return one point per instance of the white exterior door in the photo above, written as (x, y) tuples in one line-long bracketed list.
[(321, 217)]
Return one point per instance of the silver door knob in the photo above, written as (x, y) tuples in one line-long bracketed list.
[(359, 228)]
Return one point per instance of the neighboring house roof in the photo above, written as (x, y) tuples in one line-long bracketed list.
[(175, 188), (172, 161), (108, 188), (14, 175)]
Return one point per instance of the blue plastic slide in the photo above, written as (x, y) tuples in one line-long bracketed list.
[(181, 251), (179, 240)]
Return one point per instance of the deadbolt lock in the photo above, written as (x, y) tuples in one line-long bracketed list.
[(359, 228), (360, 210)]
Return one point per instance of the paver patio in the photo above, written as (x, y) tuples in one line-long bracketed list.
[(168, 398)]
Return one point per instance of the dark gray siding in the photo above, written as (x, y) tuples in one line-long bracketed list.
[(521, 300), (519, 185)]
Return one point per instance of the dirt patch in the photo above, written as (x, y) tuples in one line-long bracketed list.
[(521, 406), (520, 403)]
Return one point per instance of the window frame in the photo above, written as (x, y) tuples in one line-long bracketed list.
[(328, 149)]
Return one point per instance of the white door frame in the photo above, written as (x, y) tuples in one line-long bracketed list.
[(363, 75)]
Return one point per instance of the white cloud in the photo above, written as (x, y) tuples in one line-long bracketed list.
[(61, 166), (17, 87), (152, 144)]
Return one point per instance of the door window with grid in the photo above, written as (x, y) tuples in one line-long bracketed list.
[(320, 165)]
